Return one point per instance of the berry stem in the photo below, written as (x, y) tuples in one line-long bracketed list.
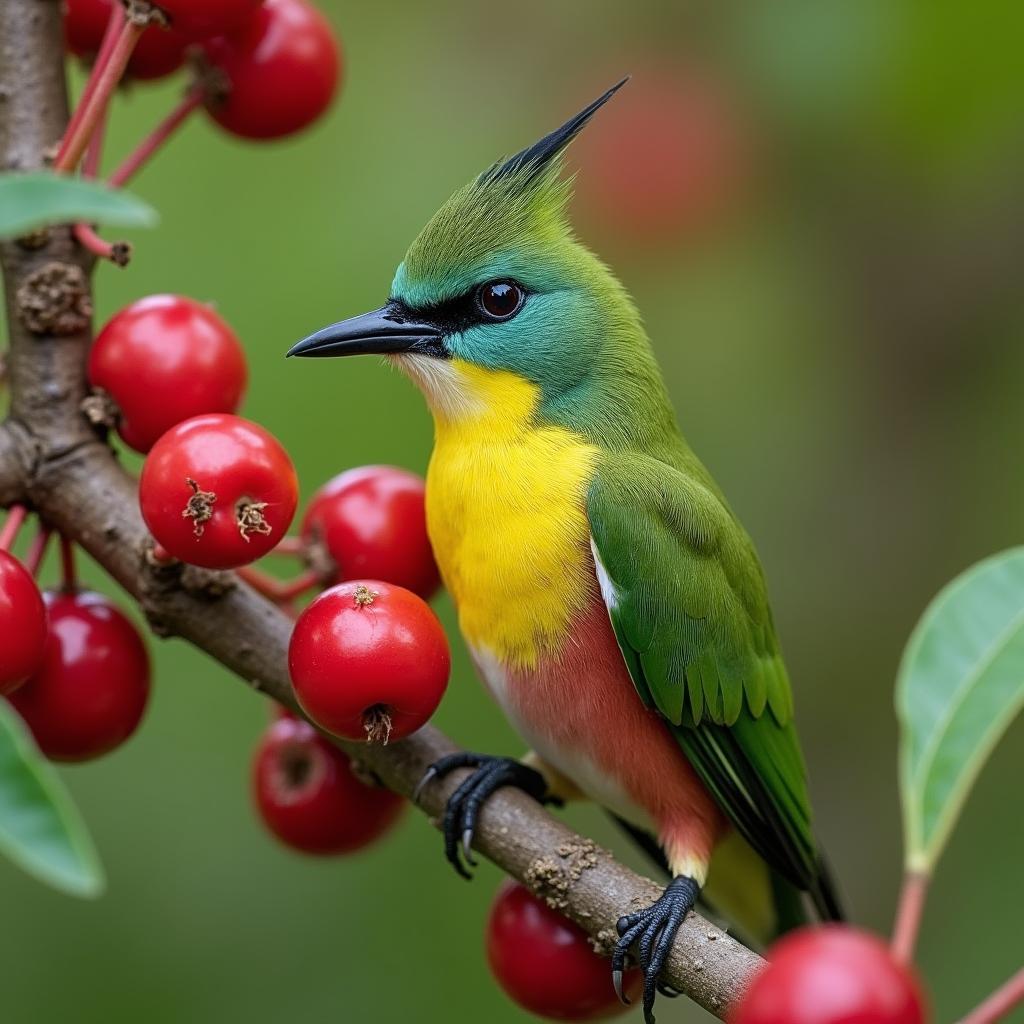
[(908, 916), (289, 546), (94, 152), (119, 253), (37, 549), (68, 569), (94, 103), (9, 533), (139, 156), (279, 591), (298, 586), (117, 16), (1000, 1003)]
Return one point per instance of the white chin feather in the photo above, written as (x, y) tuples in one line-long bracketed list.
[(442, 385)]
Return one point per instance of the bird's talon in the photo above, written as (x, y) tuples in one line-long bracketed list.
[(653, 930), (617, 985), (464, 805), (467, 847), (428, 776)]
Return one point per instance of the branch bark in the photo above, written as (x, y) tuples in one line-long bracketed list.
[(51, 457)]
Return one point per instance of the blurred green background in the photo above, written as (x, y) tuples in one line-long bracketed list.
[(840, 324)]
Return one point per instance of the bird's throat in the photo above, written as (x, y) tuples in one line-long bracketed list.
[(505, 509)]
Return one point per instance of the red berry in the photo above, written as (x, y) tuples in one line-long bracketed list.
[(545, 963), (369, 661), (668, 158), (309, 796), (282, 69), (158, 52), (22, 624), (90, 692), (831, 975), (200, 19), (218, 491), (163, 360), (372, 523)]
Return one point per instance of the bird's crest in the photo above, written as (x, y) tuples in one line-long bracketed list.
[(516, 203), (532, 161)]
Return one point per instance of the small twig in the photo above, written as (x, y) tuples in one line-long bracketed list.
[(94, 153), (68, 568), (289, 546), (95, 103), (1000, 1003), (908, 916), (135, 160), (278, 591), (15, 519), (118, 253), (117, 17), (37, 549)]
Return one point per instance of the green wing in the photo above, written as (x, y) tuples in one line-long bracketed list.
[(688, 604)]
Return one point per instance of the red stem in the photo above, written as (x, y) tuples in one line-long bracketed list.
[(289, 546), (68, 569), (93, 155), (160, 134), (37, 550), (298, 586), (107, 75), (1000, 1003), (9, 533), (109, 36), (908, 916), (279, 591), (117, 252)]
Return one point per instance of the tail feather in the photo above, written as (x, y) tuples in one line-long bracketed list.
[(825, 893)]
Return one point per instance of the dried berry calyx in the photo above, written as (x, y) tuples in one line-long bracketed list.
[(199, 507), (250, 518)]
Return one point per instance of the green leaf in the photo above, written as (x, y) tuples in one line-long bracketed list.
[(29, 201), (40, 828), (960, 685)]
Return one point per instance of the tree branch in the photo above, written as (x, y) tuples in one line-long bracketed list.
[(50, 455)]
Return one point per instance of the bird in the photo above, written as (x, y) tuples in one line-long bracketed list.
[(612, 603)]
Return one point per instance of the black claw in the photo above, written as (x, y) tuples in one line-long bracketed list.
[(617, 985), (464, 805), (428, 776), (654, 931)]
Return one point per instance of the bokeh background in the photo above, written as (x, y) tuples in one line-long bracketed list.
[(817, 206)]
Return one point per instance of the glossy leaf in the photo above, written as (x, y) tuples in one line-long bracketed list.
[(960, 685), (29, 201), (40, 828)]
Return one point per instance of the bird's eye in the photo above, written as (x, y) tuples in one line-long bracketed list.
[(500, 300)]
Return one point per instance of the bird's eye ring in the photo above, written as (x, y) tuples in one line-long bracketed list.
[(500, 300)]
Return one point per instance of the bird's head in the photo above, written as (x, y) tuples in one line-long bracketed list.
[(496, 289)]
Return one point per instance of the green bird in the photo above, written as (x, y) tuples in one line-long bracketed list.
[(612, 602)]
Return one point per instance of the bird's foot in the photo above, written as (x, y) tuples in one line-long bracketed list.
[(653, 931), (463, 807)]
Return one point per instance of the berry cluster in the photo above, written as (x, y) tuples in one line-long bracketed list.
[(262, 69), (71, 663)]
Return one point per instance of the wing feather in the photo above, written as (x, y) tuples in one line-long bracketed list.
[(688, 604)]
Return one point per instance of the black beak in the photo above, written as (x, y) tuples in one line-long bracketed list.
[(385, 331)]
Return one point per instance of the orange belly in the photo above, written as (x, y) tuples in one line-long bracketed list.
[(582, 715)]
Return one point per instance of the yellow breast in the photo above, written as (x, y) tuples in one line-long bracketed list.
[(505, 510)]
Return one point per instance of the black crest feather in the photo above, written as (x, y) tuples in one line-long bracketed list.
[(540, 154)]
